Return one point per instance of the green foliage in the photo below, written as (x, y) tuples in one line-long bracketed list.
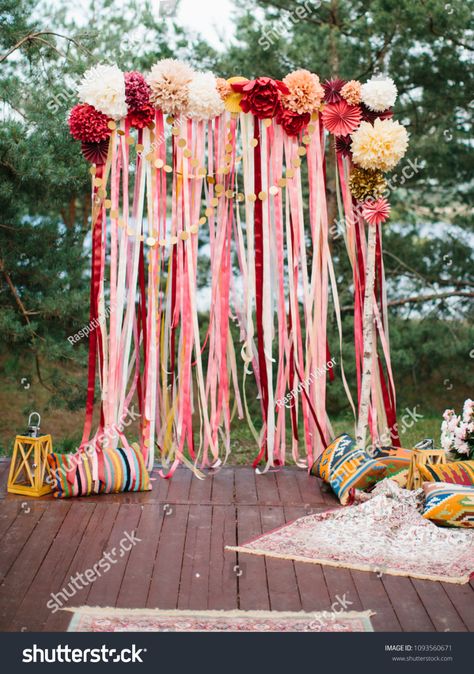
[(44, 181)]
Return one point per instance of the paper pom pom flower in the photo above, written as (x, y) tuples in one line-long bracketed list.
[(223, 87), (204, 101), (365, 184), (139, 119), (380, 146), (261, 97), (375, 212), (96, 153), (305, 92), (137, 91), (350, 92), (371, 116), (332, 90), (343, 145), (88, 124), (292, 122), (103, 87), (378, 94), (137, 95), (169, 82), (340, 118)]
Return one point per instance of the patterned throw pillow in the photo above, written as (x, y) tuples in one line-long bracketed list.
[(456, 472), (449, 505), (346, 467), (120, 470)]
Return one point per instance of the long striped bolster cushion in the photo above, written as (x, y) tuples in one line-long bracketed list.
[(120, 470)]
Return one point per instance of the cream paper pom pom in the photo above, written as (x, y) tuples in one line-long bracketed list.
[(379, 94), (103, 87), (380, 146), (169, 81), (204, 100)]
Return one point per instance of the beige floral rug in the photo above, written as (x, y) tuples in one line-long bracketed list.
[(90, 619), (385, 533)]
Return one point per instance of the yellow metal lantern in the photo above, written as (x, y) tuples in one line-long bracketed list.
[(29, 466)]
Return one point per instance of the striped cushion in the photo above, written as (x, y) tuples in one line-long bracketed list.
[(346, 467), (449, 505), (456, 472), (120, 470)]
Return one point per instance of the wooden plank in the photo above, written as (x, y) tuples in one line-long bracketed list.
[(18, 534), (20, 576), (288, 488), (223, 568), (282, 586), (406, 603), (439, 607), (89, 553), (223, 486), (462, 597), (194, 581), (245, 488), (200, 490), (253, 588), (310, 490), (267, 490), (137, 576), (8, 514), (310, 577), (341, 587), (164, 586), (4, 470), (373, 597), (104, 591), (33, 611), (179, 486)]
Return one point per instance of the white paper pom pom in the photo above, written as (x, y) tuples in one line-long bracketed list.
[(378, 94), (103, 87), (204, 101)]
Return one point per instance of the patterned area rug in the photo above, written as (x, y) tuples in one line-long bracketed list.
[(90, 619), (384, 533)]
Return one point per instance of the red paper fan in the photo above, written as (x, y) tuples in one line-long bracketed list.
[(341, 119), (96, 153), (376, 211), (332, 90), (370, 115), (343, 145)]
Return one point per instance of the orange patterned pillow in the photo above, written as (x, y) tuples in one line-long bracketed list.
[(456, 472)]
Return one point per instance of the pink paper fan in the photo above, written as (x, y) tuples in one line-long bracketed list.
[(340, 118), (376, 211), (96, 153)]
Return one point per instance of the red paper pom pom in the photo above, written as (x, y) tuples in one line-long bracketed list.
[(96, 153), (261, 97), (137, 91), (340, 118), (376, 211), (292, 122), (332, 90), (88, 124), (141, 118)]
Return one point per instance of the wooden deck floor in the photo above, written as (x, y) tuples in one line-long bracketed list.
[(180, 562)]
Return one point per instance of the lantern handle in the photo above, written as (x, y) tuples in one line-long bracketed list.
[(33, 414)]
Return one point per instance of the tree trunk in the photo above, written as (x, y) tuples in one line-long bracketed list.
[(368, 324)]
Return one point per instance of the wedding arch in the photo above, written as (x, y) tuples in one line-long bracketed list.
[(179, 155)]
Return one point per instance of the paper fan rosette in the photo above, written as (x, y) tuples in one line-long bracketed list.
[(376, 211), (340, 118), (96, 153)]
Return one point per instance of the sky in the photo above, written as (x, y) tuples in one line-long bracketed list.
[(211, 18)]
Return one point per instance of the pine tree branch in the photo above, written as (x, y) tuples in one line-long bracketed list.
[(39, 37), (418, 299)]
